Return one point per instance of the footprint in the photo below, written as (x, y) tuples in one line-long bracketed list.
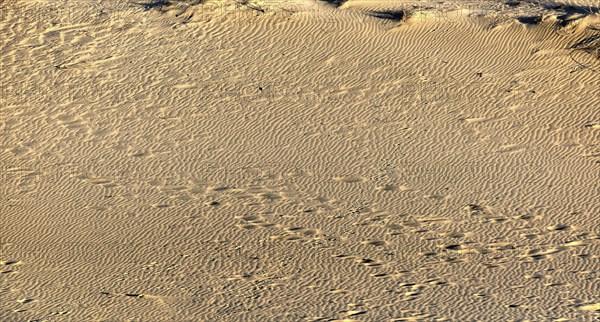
[(558, 227), (219, 188), (353, 312), (100, 181), (25, 300), (368, 262), (536, 276), (388, 187), (249, 218), (270, 196), (501, 246), (394, 229), (415, 289), (138, 153), (475, 119), (248, 226), (577, 243), (253, 222), (485, 213), (537, 254), (379, 275), (243, 277), (378, 243), (62, 312), (299, 233), (10, 263), (475, 209)]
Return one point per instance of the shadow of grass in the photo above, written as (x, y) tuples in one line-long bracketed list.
[(335, 3), (166, 5), (391, 15), (590, 44)]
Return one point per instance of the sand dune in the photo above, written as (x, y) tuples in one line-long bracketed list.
[(299, 161)]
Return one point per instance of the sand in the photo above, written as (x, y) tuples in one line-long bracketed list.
[(299, 161)]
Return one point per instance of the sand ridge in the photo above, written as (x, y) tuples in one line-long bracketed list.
[(299, 161)]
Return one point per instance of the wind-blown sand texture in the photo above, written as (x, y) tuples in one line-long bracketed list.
[(299, 161)]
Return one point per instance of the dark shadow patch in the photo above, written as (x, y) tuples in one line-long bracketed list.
[(392, 15), (572, 13), (589, 44), (335, 3), (531, 20), (157, 5), (9, 262), (166, 5), (453, 247)]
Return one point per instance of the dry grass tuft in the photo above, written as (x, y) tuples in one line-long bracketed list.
[(168, 5), (590, 44)]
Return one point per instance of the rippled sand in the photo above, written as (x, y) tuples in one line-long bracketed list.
[(299, 161)]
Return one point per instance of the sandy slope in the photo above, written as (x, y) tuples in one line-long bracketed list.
[(298, 161)]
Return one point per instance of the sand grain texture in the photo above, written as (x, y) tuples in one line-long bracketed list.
[(299, 161)]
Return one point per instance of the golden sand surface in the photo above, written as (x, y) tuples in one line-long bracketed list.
[(299, 160)]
